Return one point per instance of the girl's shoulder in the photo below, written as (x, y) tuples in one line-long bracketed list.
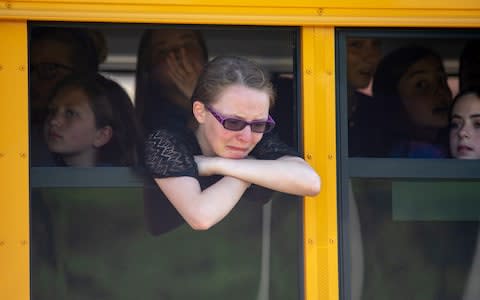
[(164, 136), (170, 153)]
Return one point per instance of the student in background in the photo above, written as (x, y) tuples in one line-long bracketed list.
[(91, 122), (56, 53), (465, 125), (363, 55), (410, 86), (465, 144), (412, 96), (169, 63)]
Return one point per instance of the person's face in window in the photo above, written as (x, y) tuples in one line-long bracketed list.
[(363, 56), (235, 101), (425, 94), (465, 128), (50, 62), (70, 128), (176, 55)]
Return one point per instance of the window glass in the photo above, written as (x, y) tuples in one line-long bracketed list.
[(407, 106), (100, 228), (400, 89), (413, 239)]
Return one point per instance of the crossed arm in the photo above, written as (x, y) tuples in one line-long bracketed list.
[(203, 209)]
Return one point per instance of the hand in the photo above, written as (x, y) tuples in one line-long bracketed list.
[(183, 71)]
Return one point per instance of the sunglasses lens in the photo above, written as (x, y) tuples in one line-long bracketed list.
[(234, 124), (259, 127), (269, 126), (262, 127)]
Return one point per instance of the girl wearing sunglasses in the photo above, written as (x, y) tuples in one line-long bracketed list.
[(231, 105)]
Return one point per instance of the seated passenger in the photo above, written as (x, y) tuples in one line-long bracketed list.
[(465, 125), (54, 54), (469, 71), (411, 86), (426, 252), (231, 105), (91, 122), (465, 144), (169, 63), (363, 55)]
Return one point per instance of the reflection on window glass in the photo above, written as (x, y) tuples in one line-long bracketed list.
[(418, 241), (107, 232), (405, 113)]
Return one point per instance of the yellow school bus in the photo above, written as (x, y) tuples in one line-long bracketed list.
[(384, 226)]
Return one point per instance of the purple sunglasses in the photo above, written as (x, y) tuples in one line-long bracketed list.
[(235, 124)]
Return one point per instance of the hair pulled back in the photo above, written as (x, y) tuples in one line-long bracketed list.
[(225, 71)]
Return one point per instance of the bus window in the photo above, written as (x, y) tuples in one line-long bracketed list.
[(399, 92), (409, 207), (96, 229)]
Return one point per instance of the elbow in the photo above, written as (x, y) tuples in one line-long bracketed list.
[(199, 226), (200, 223), (314, 186)]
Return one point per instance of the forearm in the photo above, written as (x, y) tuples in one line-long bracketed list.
[(219, 199), (287, 174), (203, 209)]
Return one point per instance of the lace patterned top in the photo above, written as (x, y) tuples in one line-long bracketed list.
[(171, 153)]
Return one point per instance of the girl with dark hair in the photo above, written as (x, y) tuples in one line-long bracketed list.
[(91, 122), (410, 84), (230, 105), (465, 144), (55, 53), (465, 125)]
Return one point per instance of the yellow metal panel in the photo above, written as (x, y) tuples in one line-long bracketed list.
[(303, 13), (14, 211), (312, 221), (428, 4), (321, 246)]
